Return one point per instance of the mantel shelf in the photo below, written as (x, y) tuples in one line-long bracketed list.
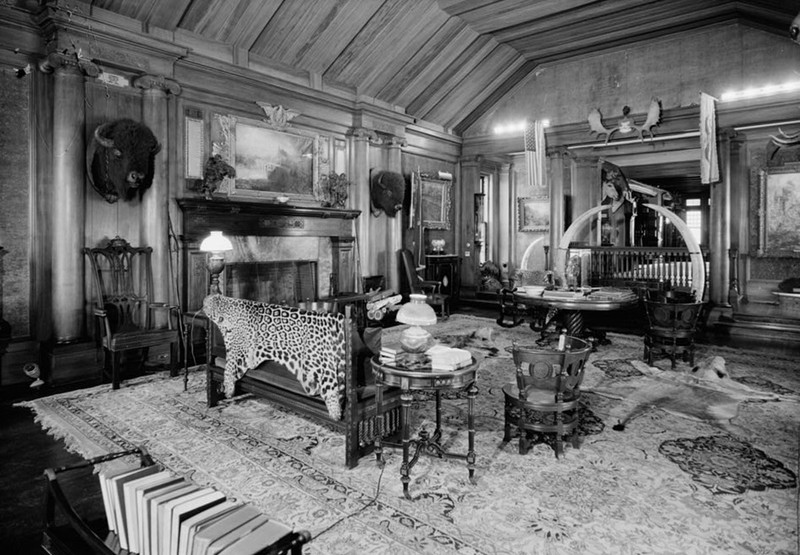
[(246, 218)]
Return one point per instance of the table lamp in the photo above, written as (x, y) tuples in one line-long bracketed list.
[(216, 244), (416, 313)]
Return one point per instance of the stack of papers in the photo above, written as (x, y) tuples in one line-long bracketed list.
[(448, 358)]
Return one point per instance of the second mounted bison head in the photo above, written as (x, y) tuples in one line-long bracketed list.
[(121, 155), (387, 192)]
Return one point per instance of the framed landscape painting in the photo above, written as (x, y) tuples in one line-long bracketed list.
[(533, 214), (271, 163), (779, 211)]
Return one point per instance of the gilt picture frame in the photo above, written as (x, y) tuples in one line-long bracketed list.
[(271, 163), (533, 214), (434, 202), (779, 211)]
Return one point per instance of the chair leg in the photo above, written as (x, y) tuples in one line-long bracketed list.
[(173, 359), (116, 359)]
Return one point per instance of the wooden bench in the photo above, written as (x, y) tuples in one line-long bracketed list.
[(274, 383)]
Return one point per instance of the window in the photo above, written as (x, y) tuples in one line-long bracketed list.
[(694, 218)]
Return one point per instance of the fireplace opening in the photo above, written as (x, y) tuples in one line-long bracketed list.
[(275, 282)]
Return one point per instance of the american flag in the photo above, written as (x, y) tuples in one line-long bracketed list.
[(535, 155)]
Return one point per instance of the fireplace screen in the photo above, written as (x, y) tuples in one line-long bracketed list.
[(282, 282)]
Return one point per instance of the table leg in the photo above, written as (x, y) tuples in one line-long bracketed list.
[(437, 433), (186, 338), (471, 395), (381, 419), (573, 321), (405, 406)]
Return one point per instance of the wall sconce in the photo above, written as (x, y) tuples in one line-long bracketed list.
[(216, 244)]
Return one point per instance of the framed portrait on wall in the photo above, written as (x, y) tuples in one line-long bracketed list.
[(779, 211), (271, 163), (533, 214)]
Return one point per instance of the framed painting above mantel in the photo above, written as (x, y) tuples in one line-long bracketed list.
[(779, 211), (271, 163)]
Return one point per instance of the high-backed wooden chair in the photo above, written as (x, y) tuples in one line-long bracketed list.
[(124, 308), (412, 282), (671, 327), (545, 396)]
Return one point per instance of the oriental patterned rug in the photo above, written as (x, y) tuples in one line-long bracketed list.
[(671, 478)]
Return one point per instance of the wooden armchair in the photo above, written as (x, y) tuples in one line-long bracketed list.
[(672, 322), (546, 393), (412, 282), (124, 309)]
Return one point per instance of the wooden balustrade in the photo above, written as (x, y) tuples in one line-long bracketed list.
[(616, 265)]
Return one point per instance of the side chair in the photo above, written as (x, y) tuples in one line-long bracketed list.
[(412, 282), (124, 310)]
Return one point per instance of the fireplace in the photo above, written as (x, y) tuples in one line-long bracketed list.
[(281, 253), (282, 282)]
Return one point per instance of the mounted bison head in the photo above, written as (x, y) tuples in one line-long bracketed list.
[(387, 191), (121, 155), (794, 29)]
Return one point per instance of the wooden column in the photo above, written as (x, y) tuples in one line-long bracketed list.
[(394, 235), (559, 181), (505, 205), (584, 192), (68, 214), (470, 184), (720, 227), (154, 224), (359, 167)]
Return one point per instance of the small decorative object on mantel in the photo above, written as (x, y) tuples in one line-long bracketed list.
[(335, 189), (387, 191), (278, 117), (214, 172), (626, 124)]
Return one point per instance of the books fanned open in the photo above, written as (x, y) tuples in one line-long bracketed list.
[(150, 510)]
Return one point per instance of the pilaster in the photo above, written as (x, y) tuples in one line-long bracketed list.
[(68, 214), (154, 216)]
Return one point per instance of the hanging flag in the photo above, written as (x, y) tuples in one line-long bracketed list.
[(709, 165), (535, 155)]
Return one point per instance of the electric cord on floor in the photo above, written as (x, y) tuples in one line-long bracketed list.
[(351, 515)]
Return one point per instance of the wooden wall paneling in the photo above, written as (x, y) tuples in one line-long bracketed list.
[(15, 190)]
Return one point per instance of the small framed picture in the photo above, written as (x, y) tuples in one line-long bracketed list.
[(533, 214)]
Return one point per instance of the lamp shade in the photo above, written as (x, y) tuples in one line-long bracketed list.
[(416, 312), (216, 242)]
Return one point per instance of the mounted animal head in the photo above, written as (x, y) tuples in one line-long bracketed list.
[(387, 191), (121, 155), (794, 29)]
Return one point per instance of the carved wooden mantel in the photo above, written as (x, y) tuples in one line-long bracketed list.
[(252, 218)]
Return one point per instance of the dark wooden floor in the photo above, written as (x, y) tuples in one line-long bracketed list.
[(26, 451)]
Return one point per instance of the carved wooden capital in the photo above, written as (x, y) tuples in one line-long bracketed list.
[(68, 62), (157, 82), (363, 134)]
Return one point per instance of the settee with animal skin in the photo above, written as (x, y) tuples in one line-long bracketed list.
[(313, 363)]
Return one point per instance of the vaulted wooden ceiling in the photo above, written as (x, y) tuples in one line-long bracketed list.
[(442, 61)]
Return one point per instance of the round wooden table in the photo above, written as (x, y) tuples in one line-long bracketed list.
[(425, 380), (570, 310)]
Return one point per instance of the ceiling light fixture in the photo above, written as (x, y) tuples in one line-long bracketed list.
[(757, 92), (518, 127)]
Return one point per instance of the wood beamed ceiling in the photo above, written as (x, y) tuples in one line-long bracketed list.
[(442, 61)]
